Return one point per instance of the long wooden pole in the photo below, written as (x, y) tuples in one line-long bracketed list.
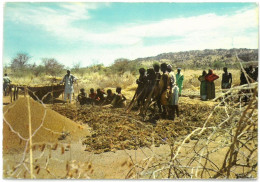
[(30, 134)]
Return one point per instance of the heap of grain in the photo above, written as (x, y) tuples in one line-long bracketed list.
[(47, 125)]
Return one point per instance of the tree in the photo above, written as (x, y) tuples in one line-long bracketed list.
[(52, 66), (76, 68), (37, 70), (20, 62), (218, 65), (122, 65)]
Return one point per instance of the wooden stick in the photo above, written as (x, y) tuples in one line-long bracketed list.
[(30, 135)]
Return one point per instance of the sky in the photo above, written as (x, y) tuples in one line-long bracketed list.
[(94, 33)]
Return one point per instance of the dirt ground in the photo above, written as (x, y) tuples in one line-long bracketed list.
[(117, 142)]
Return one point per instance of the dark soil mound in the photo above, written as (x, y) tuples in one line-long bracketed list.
[(114, 129)]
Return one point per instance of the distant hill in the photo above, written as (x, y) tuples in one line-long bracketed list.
[(202, 58)]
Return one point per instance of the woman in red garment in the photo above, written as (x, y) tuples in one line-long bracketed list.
[(210, 78)]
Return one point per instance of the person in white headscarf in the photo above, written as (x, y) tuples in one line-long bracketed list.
[(171, 75), (69, 80)]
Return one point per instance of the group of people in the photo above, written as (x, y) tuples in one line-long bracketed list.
[(207, 86), (162, 89), (94, 98), (251, 72), (101, 98)]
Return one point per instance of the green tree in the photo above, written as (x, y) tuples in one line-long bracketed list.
[(37, 70), (218, 65), (122, 65)]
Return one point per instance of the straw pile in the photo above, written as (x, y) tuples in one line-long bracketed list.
[(50, 124)]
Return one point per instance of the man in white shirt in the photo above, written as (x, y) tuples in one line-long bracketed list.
[(68, 80), (6, 83)]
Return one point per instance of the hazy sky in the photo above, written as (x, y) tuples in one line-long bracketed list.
[(93, 33)]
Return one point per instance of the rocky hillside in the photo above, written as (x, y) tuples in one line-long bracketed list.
[(203, 58)]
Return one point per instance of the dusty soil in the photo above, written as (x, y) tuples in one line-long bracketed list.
[(47, 125), (114, 129), (113, 141)]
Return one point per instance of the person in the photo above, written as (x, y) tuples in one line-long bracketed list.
[(109, 98), (6, 82), (164, 89), (119, 100), (92, 96), (243, 77), (69, 80), (141, 82), (171, 75), (174, 100), (82, 97), (151, 81), (203, 86), (156, 68), (226, 79), (179, 80), (255, 74), (250, 73), (210, 78), (149, 90), (99, 99)]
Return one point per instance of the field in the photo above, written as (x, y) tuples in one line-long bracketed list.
[(210, 139)]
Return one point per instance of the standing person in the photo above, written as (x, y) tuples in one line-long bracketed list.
[(149, 90), (171, 75), (171, 107), (6, 82), (179, 80), (243, 77), (164, 89), (210, 78), (156, 68), (69, 80), (251, 73), (255, 74), (141, 82), (226, 79), (174, 101), (203, 86), (151, 81)]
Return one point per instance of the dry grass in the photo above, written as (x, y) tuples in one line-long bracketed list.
[(127, 81)]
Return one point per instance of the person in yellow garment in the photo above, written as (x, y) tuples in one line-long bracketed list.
[(119, 100), (164, 89), (179, 80)]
